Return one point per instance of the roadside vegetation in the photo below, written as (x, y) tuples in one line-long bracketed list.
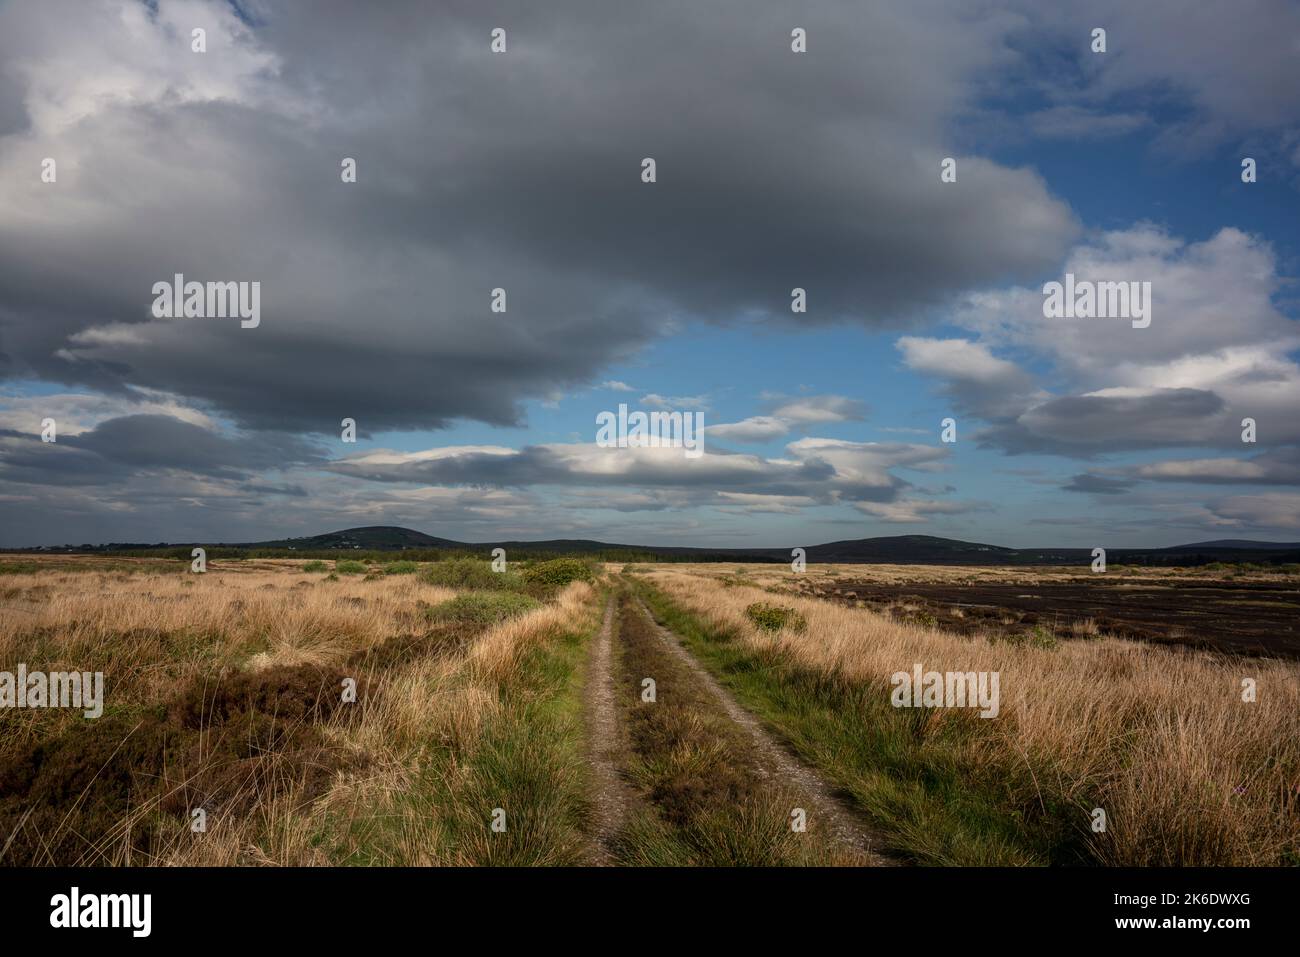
[(382, 720), (1159, 738), (292, 712)]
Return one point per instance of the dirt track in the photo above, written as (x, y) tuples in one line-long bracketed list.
[(779, 763), (610, 795)]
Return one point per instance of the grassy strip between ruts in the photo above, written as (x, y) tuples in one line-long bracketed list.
[(911, 784), (705, 802)]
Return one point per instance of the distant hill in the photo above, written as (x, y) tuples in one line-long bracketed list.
[(370, 537), (1239, 544), (891, 549), (921, 549)]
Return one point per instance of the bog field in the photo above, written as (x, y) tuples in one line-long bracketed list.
[(567, 712)]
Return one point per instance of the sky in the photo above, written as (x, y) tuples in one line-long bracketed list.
[(521, 169)]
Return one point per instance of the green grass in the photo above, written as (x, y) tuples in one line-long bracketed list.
[(771, 617), (482, 609), (471, 573), (529, 761), (349, 567), (315, 566), (705, 800), (909, 774), (559, 572), (401, 568)]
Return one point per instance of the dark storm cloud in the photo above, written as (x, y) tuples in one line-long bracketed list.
[(817, 470), (1098, 484), (117, 448), (479, 171), (1087, 425)]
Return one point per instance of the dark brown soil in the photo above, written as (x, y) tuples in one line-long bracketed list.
[(1250, 618)]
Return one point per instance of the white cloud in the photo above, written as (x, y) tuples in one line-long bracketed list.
[(758, 428)]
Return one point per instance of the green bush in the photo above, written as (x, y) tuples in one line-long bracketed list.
[(349, 567), (401, 568), (483, 608), (471, 573), (775, 617), (315, 566), (559, 572)]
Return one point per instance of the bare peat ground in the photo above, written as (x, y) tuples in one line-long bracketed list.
[(774, 763), (1248, 617)]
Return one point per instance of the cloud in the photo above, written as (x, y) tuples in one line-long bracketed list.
[(756, 429), (1267, 511), (789, 413), (1098, 484), (131, 445), (817, 409), (675, 402), (818, 470), (1222, 73), (1075, 122), (914, 511), (1275, 467), (225, 166), (977, 381), (1217, 351), (78, 412)]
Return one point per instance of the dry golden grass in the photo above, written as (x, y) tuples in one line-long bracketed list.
[(446, 701), (1160, 738), (153, 632), (779, 574)]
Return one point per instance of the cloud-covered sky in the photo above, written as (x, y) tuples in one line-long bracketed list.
[(522, 170)]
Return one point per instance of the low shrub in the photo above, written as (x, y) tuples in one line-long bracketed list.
[(775, 617), (471, 573), (482, 608), (348, 567), (559, 572)]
